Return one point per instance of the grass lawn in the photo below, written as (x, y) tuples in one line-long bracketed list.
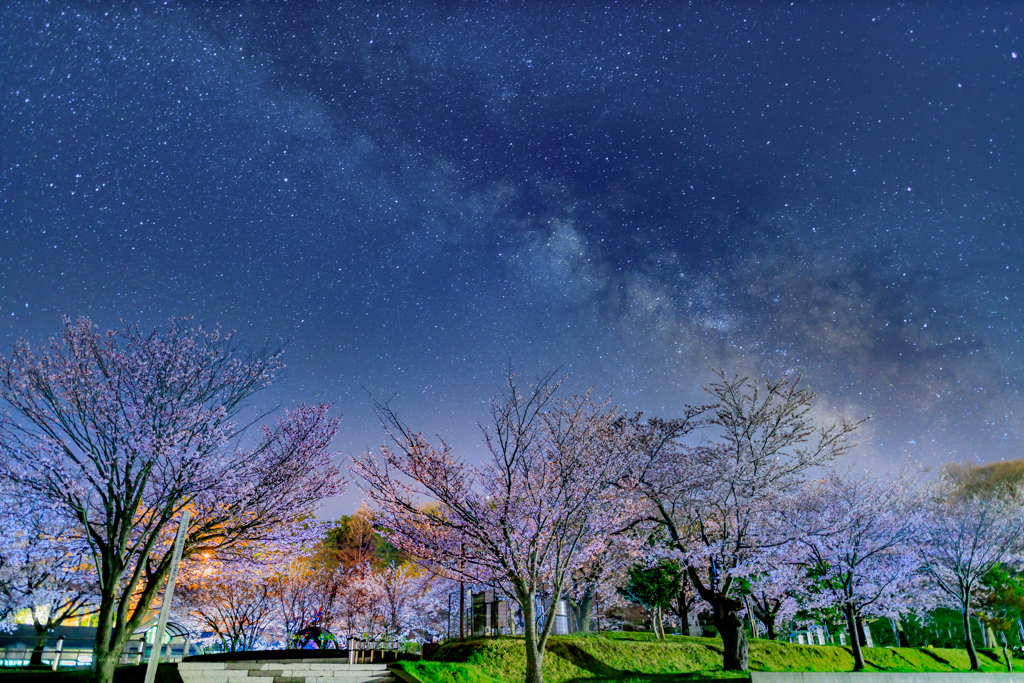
[(638, 658)]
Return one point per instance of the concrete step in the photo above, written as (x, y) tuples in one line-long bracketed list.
[(316, 666), (279, 677), (284, 671)]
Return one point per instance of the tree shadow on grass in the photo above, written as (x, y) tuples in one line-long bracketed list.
[(936, 657), (576, 655), (691, 677)]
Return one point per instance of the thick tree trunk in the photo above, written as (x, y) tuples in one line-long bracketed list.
[(37, 651), (971, 652), (769, 626), (904, 640), (851, 624), (103, 663), (736, 655), (726, 614), (110, 641), (990, 637)]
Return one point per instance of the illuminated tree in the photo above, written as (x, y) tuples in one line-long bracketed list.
[(720, 501), (770, 595), (45, 568), (964, 538), (526, 520), (857, 535), (120, 432), (400, 600), (235, 603)]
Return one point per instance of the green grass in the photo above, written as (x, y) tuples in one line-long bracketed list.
[(639, 658)]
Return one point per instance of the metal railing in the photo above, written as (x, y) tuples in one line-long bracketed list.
[(71, 652), (362, 651), (61, 651)]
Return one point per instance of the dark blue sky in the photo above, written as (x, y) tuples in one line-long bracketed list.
[(413, 194)]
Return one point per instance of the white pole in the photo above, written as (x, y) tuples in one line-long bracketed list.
[(56, 655), (165, 607)]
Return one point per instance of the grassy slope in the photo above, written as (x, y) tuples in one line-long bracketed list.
[(637, 657)]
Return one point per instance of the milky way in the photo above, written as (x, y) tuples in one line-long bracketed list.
[(413, 195)]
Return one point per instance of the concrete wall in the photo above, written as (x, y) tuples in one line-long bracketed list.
[(880, 677)]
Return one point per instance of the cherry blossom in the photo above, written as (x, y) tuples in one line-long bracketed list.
[(719, 500), (857, 535), (526, 520), (120, 432), (45, 567), (964, 536)]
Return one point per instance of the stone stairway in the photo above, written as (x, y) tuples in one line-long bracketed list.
[(284, 671)]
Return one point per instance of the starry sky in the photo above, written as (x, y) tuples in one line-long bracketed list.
[(412, 195)]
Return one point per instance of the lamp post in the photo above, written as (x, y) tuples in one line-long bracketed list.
[(165, 607)]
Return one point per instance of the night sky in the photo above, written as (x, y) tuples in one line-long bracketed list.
[(412, 195)]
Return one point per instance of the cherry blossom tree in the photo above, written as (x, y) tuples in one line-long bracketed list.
[(719, 500), (857, 536), (771, 595), (235, 603), (122, 431), (523, 522), (46, 568), (599, 577), (402, 600), (688, 603), (308, 592), (965, 535)]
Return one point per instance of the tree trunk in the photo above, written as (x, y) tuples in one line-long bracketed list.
[(110, 640), (769, 625), (904, 639), (736, 648), (862, 632), (534, 655), (37, 652), (726, 614), (971, 652), (990, 637), (583, 609), (104, 660), (684, 613), (851, 624)]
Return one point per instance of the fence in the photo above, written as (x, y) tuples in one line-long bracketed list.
[(71, 652), (362, 651)]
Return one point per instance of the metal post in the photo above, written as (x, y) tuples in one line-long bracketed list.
[(462, 609), (56, 655), (462, 593), (184, 650), (165, 607)]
